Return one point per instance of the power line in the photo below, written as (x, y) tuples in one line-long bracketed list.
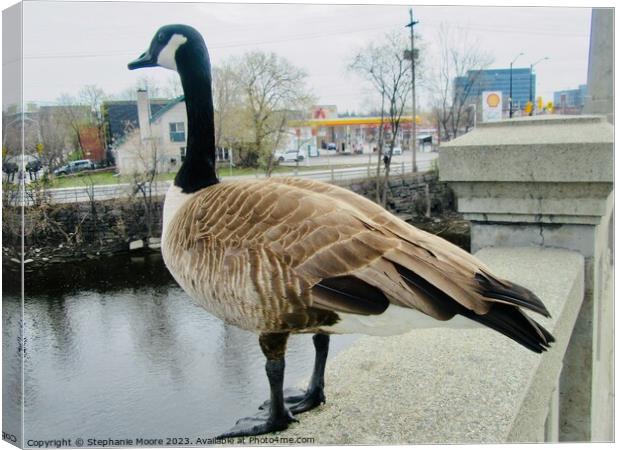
[(520, 30), (509, 30), (221, 46)]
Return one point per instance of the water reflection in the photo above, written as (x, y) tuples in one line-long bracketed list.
[(12, 339), (116, 349)]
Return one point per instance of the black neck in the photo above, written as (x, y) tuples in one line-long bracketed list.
[(198, 169)]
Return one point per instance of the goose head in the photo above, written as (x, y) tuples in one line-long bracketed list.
[(172, 47), (181, 48)]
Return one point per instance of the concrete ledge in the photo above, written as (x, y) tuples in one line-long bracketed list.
[(533, 202), (574, 149), (453, 386), (546, 169)]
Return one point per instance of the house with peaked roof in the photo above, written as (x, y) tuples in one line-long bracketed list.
[(159, 141), (121, 117)]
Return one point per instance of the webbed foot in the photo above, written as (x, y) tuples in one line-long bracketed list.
[(260, 423), (298, 400)]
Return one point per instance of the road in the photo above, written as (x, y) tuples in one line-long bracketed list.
[(400, 164), (422, 158)]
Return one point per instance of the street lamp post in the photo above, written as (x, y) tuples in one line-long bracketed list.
[(531, 87), (414, 143), (510, 95)]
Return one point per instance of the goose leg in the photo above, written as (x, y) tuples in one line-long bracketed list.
[(278, 416), (299, 401)]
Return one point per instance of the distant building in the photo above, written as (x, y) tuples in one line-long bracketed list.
[(478, 81), (121, 116), (570, 101), (359, 134), (49, 132), (92, 144), (158, 137), (148, 138), (319, 112)]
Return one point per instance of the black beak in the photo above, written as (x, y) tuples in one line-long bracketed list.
[(144, 60)]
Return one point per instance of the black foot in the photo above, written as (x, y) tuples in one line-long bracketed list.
[(299, 401), (260, 423)]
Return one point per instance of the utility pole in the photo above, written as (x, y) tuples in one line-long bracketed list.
[(531, 87), (414, 140), (510, 95)]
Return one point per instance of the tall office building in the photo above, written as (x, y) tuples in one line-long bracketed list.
[(570, 101), (478, 81)]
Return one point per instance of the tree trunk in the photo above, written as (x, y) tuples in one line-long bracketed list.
[(380, 152), (385, 184)]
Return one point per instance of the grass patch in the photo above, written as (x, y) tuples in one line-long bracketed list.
[(82, 179), (102, 178)]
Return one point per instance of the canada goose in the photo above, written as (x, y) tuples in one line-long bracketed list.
[(284, 255)]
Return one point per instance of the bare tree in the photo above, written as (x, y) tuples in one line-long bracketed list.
[(461, 58), (20, 134), (385, 66), (81, 114), (273, 91), (55, 136), (173, 87), (228, 108), (145, 157), (76, 116), (93, 97)]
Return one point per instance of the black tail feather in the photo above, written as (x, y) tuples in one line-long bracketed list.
[(504, 315), (510, 293), (512, 322)]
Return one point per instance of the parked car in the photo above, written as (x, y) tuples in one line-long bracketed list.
[(75, 166), (34, 166), (289, 155), (396, 151)]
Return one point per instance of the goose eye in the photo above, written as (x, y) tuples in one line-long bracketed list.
[(161, 37)]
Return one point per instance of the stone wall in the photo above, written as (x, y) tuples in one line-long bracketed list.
[(62, 232), (409, 194)]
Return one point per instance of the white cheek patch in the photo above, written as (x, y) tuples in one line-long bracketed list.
[(166, 55)]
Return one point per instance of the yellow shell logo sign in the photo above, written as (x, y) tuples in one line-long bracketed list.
[(493, 100)]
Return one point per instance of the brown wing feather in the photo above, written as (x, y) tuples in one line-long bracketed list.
[(453, 271)]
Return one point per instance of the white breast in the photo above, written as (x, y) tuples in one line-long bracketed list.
[(395, 320), (172, 203)]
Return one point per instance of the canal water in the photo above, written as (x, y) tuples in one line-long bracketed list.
[(115, 349)]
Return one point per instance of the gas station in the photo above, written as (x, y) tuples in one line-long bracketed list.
[(356, 135)]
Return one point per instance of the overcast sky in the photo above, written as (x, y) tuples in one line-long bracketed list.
[(68, 45)]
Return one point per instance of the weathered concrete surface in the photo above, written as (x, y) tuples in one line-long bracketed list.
[(546, 169), (600, 98), (548, 181), (453, 386), (601, 266), (550, 202), (542, 148)]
